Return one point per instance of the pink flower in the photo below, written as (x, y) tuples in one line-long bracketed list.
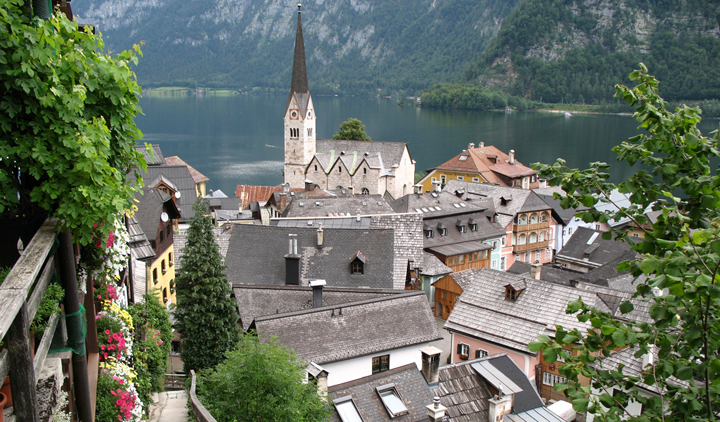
[(107, 331), (111, 239), (99, 297), (159, 342)]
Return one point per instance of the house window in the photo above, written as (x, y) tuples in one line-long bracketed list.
[(636, 235), (392, 401), (494, 244), (365, 191), (294, 132), (462, 259), (494, 263), (475, 179), (533, 218), (544, 217), (463, 350), (170, 261), (364, 170), (503, 262), (346, 409), (502, 240), (522, 220), (511, 294), (165, 295), (521, 239), (309, 131), (532, 179), (551, 379), (443, 179), (443, 232), (155, 277), (444, 295), (475, 256), (339, 169), (315, 167), (434, 179), (480, 353), (460, 178), (380, 363), (162, 266), (357, 267), (162, 235), (569, 231), (548, 253), (597, 227)]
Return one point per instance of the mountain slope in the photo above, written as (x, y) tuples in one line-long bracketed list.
[(577, 50), (352, 46)]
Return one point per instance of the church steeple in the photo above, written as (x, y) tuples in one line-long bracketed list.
[(299, 118), (299, 76)]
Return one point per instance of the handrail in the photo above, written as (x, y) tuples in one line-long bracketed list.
[(201, 414)]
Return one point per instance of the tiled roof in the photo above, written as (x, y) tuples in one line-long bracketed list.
[(257, 301), (222, 237), (588, 245), (485, 230), (349, 205), (139, 244), (463, 392), (432, 266), (177, 161), (488, 161), (180, 177), (409, 383), (253, 193), (327, 222), (437, 204), (548, 272), (256, 256), (154, 156), (387, 153), (336, 333)]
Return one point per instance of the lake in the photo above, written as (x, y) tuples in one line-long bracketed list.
[(238, 139)]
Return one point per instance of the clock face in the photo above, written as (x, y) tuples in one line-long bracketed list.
[(309, 114), (294, 114)]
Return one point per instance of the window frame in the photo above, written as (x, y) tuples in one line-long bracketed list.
[(340, 401), (381, 365), (481, 353), (390, 390)]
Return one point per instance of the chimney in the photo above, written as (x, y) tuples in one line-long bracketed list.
[(286, 188), (418, 188), (511, 156), (436, 411), (320, 237), (648, 359), (499, 406), (431, 363), (436, 186), (471, 145), (352, 190), (481, 145), (309, 185), (535, 270), (292, 262), (317, 287)]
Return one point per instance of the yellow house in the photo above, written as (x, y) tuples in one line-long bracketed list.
[(484, 164)]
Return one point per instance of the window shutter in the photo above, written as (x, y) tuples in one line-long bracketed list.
[(459, 348)]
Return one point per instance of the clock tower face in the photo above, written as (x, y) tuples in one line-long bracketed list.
[(294, 114)]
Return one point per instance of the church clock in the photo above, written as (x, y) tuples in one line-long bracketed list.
[(294, 114)]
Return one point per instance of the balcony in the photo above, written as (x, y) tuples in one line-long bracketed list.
[(531, 246), (530, 227)]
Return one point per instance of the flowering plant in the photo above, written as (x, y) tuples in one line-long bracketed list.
[(117, 398)]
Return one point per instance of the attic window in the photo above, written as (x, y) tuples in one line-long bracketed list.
[(392, 401), (441, 229), (463, 157), (511, 293), (380, 363), (473, 225), (428, 234), (347, 410), (461, 227), (357, 264)]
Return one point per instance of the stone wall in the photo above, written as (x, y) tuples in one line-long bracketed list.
[(408, 242)]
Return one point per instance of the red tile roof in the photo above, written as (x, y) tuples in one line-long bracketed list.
[(487, 161), (252, 193)]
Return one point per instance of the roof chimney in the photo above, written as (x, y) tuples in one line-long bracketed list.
[(286, 187), (292, 262), (511, 156), (471, 145), (309, 185), (320, 237), (499, 406), (481, 145), (431, 363), (418, 188), (436, 411), (535, 270), (437, 187), (317, 287)]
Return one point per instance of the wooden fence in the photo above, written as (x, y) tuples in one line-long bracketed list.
[(201, 414)]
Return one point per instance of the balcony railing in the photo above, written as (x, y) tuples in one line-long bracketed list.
[(529, 227), (531, 246)]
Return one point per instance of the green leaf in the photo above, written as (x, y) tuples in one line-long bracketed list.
[(626, 307), (580, 404), (550, 355), (618, 337)]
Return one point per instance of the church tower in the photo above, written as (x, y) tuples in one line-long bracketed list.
[(299, 118)]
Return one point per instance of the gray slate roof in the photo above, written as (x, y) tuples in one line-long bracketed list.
[(387, 153), (349, 205), (485, 230), (153, 156), (327, 223), (409, 383), (222, 238), (335, 333), (150, 208), (432, 266), (139, 244), (256, 256), (437, 204), (257, 301), (516, 200), (599, 251), (548, 272), (180, 176), (633, 367)]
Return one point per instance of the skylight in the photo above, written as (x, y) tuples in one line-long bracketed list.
[(425, 210), (456, 205), (346, 410), (392, 401), (417, 210), (463, 205), (434, 195), (463, 157)]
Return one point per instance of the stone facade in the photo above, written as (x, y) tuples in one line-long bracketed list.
[(299, 140)]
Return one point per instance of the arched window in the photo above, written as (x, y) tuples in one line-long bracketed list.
[(541, 236), (544, 217), (522, 220), (365, 191), (533, 238), (315, 167), (339, 169), (522, 239), (364, 170), (533, 218)]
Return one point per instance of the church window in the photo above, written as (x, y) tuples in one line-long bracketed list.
[(294, 132), (309, 131), (365, 191), (339, 169), (315, 167), (364, 170)]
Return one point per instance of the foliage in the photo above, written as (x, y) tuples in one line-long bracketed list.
[(677, 272), (153, 339), (49, 305), (352, 129), (471, 97), (261, 382), (206, 314), (67, 122), (117, 398)]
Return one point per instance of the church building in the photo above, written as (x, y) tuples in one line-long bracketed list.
[(362, 167)]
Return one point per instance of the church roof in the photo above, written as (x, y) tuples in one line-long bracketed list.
[(382, 155), (299, 84)]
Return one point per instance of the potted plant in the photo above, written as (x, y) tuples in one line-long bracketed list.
[(3, 400), (464, 356)]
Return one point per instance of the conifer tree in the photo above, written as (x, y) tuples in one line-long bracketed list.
[(206, 313)]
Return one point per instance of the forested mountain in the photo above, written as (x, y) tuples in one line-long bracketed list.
[(352, 46), (577, 50)]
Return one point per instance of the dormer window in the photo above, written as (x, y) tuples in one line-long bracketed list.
[(391, 399), (357, 264), (441, 229), (460, 226), (427, 230), (511, 294), (473, 225)]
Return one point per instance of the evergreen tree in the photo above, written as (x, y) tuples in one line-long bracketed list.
[(352, 129), (206, 314)]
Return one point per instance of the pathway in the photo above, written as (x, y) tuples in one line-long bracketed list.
[(169, 406)]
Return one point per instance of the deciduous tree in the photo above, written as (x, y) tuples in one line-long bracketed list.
[(352, 129), (677, 270), (206, 314), (261, 382)]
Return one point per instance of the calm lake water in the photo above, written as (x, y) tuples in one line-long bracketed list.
[(238, 139)]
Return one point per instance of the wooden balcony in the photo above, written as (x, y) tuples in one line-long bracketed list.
[(531, 246), (530, 227)]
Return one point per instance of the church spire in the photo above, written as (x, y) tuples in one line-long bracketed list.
[(299, 76)]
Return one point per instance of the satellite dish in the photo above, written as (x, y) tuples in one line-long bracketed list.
[(164, 217), (177, 195)]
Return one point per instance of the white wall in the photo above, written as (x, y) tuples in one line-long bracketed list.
[(352, 369)]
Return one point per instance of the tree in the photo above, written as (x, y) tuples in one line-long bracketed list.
[(680, 256), (206, 314), (261, 382), (352, 129), (67, 123)]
